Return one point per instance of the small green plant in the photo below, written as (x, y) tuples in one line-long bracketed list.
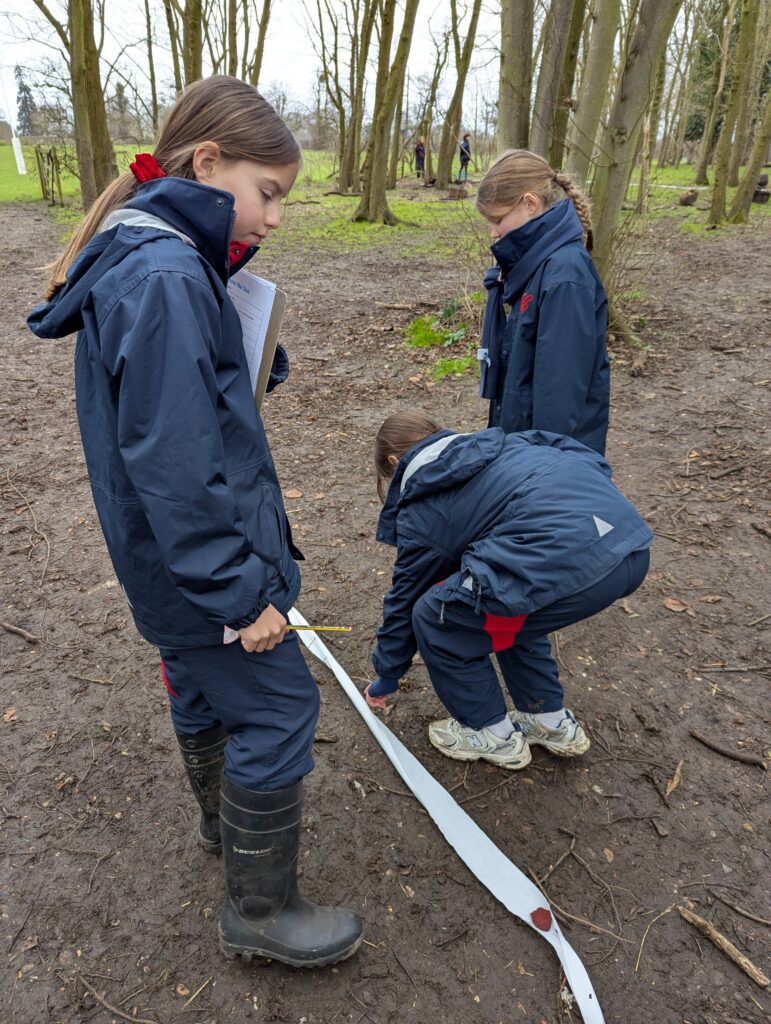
[(457, 335), (449, 309), (453, 367), (425, 332)]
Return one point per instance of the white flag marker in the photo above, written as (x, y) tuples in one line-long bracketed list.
[(477, 851)]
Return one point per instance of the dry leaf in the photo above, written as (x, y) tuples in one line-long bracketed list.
[(9, 715), (608, 854), (29, 943), (182, 990), (293, 493), (676, 779), (628, 609), (674, 604), (711, 598)]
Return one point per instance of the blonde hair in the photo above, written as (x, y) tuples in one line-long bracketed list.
[(518, 171), (399, 432), (217, 109)]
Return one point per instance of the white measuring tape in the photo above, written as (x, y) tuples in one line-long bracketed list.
[(477, 851)]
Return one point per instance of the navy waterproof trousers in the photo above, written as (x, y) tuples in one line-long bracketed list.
[(267, 703), (455, 643)]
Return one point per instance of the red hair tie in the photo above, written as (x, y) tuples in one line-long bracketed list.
[(146, 168)]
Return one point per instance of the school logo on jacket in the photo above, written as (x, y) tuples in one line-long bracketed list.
[(527, 298)]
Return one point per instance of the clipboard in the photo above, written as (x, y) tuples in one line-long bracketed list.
[(260, 306)]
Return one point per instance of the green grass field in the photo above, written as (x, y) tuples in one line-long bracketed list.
[(16, 188), (429, 225)]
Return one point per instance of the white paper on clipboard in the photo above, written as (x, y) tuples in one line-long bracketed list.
[(260, 306)]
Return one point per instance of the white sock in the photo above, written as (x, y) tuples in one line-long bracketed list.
[(503, 729), (551, 719)]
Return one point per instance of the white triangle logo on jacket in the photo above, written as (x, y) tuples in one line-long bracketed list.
[(602, 526)]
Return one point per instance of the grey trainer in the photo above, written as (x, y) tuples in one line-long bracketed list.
[(567, 739), (465, 744)]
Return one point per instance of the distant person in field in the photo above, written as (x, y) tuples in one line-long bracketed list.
[(465, 157), (420, 157), (545, 366), (500, 540), (187, 494)]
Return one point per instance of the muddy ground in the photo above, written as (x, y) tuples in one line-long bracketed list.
[(107, 902)]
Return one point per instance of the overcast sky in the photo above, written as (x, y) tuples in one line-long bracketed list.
[(289, 56)]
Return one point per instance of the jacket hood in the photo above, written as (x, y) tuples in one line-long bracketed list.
[(439, 462), (199, 215)]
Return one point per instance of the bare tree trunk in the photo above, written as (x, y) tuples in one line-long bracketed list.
[(151, 67), (619, 142), (556, 31), (516, 74), (673, 138), (442, 53), (742, 57), (705, 150), (232, 8), (641, 206), (96, 158), (192, 41), (255, 66), (396, 140), (740, 208), (565, 96), (451, 126), (174, 43), (744, 107), (374, 205), (349, 163), (594, 88)]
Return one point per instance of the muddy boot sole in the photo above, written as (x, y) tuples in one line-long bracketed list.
[(232, 952)]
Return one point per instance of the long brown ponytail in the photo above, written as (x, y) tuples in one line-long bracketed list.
[(518, 171), (217, 109)]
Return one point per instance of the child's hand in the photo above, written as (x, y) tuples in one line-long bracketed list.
[(267, 631), (378, 690)]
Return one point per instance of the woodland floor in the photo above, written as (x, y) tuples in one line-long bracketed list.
[(101, 884)]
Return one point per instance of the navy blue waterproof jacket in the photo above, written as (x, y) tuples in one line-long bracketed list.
[(180, 468), (512, 523), (554, 372)]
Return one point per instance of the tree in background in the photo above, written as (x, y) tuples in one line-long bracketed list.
[(720, 65), (373, 205), (556, 30), (745, 46), (452, 120), (516, 74), (96, 158), (605, 19), (619, 141), (25, 104)]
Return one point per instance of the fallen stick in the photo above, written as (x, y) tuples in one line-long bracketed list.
[(110, 1007), (740, 910), (728, 947), (735, 755), (574, 917), (29, 637)]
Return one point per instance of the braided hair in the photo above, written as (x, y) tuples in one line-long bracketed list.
[(518, 171)]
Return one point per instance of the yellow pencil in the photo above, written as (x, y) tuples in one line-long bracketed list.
[(325, 629)]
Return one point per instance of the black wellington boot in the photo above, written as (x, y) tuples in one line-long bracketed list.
[(203, 754), (264, 914)]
